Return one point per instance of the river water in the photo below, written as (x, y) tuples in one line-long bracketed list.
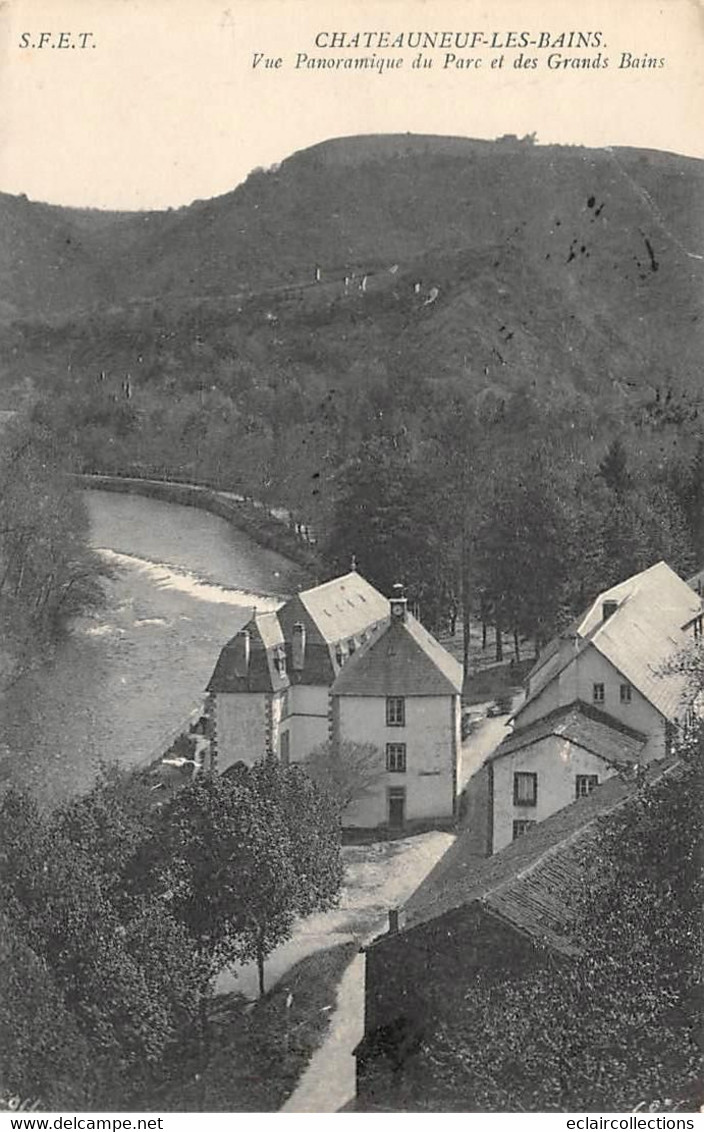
[(185, 582)]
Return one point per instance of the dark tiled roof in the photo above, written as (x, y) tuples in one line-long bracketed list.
[(403, 659), (529, 882), (266, 642), (585, 727)]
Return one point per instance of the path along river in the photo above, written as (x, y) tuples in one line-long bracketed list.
[(185, 582)]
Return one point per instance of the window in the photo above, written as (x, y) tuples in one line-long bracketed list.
[(395, 711), (585, 783), (598, 694), (525, 788), (625, 693), (521, 826), (396, 757)]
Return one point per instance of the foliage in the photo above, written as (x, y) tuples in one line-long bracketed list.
[(48, 574), (242, 855), (125, 910), (347, 771), (43, 1056)]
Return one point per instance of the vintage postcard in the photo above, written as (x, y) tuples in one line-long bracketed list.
[(351, 558)]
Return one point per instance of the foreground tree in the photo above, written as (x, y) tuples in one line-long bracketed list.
[(242, 855), (122, 968)]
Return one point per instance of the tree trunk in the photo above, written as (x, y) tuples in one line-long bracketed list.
[(204, 1041), (516, 646), (466, 604), (260, 967), (499, 639)]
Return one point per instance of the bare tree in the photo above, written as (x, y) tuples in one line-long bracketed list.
[(347, 771)]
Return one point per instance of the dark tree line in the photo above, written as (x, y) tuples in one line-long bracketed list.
[(119, 913), (48, 573), (513, 514)]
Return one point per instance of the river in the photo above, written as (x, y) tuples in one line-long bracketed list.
[(185, 581)]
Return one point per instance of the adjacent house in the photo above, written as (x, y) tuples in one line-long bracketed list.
[(601, 695), (247, 693), (401, 693), (269, 690), (491, 918)]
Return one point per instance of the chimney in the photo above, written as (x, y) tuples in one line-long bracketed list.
[(298, 646), (393, 920), (608, 609), (242, 649), (398, 603)]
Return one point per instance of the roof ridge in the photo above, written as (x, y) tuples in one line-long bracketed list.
[(331, 581), (550, 850)]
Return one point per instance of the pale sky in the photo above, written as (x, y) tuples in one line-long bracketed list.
[(164, 106)]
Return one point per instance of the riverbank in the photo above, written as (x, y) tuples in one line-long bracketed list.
[(260, 524), (184, 582)]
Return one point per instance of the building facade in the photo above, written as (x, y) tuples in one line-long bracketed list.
[(401, 694), (603, 694), (269, 692)]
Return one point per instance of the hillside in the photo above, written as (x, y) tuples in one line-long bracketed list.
[(364, 266)]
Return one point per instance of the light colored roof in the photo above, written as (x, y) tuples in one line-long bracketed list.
[(344, 607), (640, 638), (529, 882), (403, 659), (269, 629), (582, 726)]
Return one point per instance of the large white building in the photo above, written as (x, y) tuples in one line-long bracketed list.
[(401, 693), (602, 695), (269, 692)]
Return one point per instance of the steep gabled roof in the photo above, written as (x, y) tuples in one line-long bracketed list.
[(643, 634), (527, 884), (344, 607), (403, 659), (266, 642), (583, 726)]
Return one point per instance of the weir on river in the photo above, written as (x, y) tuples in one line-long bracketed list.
[(185, 581)]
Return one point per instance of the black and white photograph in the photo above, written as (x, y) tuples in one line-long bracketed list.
[(351, 561)]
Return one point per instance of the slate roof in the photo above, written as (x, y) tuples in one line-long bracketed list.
[(583, 726), (266, 640), (344, 607), (402, 659), (528, 883), (639, 639)]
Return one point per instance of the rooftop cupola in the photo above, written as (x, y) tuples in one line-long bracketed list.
[(398, 603)]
